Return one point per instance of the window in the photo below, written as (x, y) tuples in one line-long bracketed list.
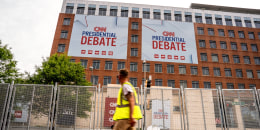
[(158, 68), (205, 70), (177, 15), (167, 15), (230, 86), (236, 59), (251, 86), (257, 60), (146, 13), (257, 22), (134, 38), (102, 10), (216, 71), (133, 81), (146, 67), (200, 30), (198, 17), (72, 60), (134, 52), (91, 9), (238, 21), (254, 47), (64, 34), (171, 83), (194, 70), (239, 73), (133, 66), (228, 20), (182, 69), (225, 58), (124, 11), (241, 86), (188, 17), (183, 83), (228, 72), (249, 74), (61, 47), (248, 22), (80, 9), (195, 84), (107, 80), (94, 79), (158, 82), (251, 35), (218, 19), (211, 32), (207, 85), (233, 46), (120, 65), (108, 65), (84, 63), (208, 18), (221, 32), (212, 44), (218, 85), (223, 45), (170, 68), (258, 35), (135, 25), (66, 21), (69, 8), (156, 13), (135, 12), (202, 43), (113, 10), (244, 46), (247, 60), (241, 34), (231, 33), (96, 64), (203, 57), (258, 74), (214, 57)]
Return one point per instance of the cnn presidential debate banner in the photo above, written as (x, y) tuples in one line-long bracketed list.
[(168, 41), (99, 36)]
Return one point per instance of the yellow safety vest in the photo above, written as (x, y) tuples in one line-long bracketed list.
[(123, 109)]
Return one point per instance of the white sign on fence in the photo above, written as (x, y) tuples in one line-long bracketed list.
[(168, 41), (161, 116), (99, 36)]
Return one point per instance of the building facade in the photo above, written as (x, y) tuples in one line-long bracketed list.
[(222, 46)]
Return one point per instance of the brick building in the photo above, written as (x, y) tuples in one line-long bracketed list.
[(227, 43)]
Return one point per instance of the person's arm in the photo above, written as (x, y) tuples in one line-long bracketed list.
[(130, 98)]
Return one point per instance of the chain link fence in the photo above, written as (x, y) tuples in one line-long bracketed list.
[(61, 107)]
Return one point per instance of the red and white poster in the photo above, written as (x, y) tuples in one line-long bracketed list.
[(99, 37), (110, 107), (168, 41), (161, 116), (18, 114)]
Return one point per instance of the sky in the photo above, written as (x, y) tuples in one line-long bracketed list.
[(28, 26)]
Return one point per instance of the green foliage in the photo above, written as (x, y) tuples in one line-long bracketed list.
[(8, 71)]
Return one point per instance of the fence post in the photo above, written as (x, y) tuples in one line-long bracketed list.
[(145, 90), (220, 106), (101, 114), (29, 120), (9, 100), (257, 103), (163, 109), (95, 109), (98, 104), (53, 105), (257, 99), (184, 108), (240, 109), (76, 107), (203, 111), (181, 110)]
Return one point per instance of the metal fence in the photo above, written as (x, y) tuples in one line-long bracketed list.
[(61, 107)]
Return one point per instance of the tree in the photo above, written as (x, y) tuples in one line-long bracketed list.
[(8, 71)]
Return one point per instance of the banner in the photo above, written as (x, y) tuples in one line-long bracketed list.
[(161, 117), (99, 37), (168, 41), (110, 107)]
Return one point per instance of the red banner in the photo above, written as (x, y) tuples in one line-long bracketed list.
[(110, 107), (18, 114)]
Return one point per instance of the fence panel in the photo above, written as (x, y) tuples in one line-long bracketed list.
[(31, 106), (75, 107), (203, 109), (163, 108), (241, 109), (4, 90)]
